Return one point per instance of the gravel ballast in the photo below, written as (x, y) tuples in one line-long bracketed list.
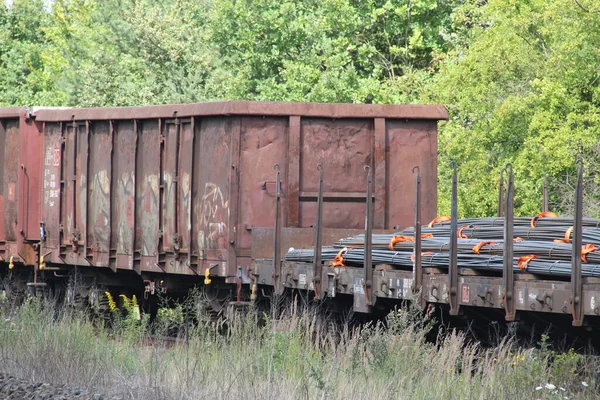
[(14, 388)]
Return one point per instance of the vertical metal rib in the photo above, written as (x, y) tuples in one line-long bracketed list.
[(501, 194), (277, 245), (368, 264), (317, 267), (453, 268), (508, 273), (545, 206), (417, 269), (576, 280)]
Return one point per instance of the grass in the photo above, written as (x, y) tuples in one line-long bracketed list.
[(296, 354)]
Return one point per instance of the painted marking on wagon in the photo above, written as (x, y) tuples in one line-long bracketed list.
[(406, 287), (465, 294), (302, 278), (56, 157), (212, 221), (212, 200), (358, 286)]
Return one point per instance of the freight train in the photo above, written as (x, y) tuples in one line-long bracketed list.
[(226, 195)]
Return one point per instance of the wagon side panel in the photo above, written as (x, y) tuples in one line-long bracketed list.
[(343, 147), (123, 193), (148, 194), (52, 191), (411, 143), (99, 192), (211, 182)]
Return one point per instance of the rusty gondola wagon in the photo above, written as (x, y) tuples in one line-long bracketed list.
[(180, 191)]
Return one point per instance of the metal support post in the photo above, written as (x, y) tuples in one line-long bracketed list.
[(278, 281), (417, 267), (507, 271), (453, 268), (545, 206), (317, 266), (501, 194), (576, 279)]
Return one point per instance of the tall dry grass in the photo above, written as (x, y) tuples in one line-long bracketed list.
[(292, 354)]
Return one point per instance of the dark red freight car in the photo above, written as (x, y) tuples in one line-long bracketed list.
[(182, 189), (21, 143)]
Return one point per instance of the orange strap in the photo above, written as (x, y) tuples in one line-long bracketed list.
[(518, 239), (399, 239), (459, 234), (567, 238), (479, 245), (586, 249), (338, 261), (412, 256), (438, 219), (546, 214), (523, 261)]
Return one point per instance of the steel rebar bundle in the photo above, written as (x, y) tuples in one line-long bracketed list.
[(542, 245), (403, 259)]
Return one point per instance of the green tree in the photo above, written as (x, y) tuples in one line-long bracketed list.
[(522, 86), (23, 77)]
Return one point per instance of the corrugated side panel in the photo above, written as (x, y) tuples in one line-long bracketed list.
[(10, 184), (211, 182), (3, 126), (123, 193), (148, 195), (51, 186), (99, 192)]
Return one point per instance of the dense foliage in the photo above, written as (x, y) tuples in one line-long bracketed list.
[(521, 78)]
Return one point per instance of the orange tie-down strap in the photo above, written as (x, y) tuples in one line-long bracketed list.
[(412, 256), (438, 219), (567, 238), (399, 239), (523, 261), (518, 239), (338, 261), (546, 214), (479, 245), (459, 234), (587, 249)]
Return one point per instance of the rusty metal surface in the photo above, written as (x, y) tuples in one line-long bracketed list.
[(158, 191), (31, 162), (99, 191), (410, 143), (148, 194), (52, 191), (21, 157), (12, 112), (263, 144), (10, 143), (328, 110)]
